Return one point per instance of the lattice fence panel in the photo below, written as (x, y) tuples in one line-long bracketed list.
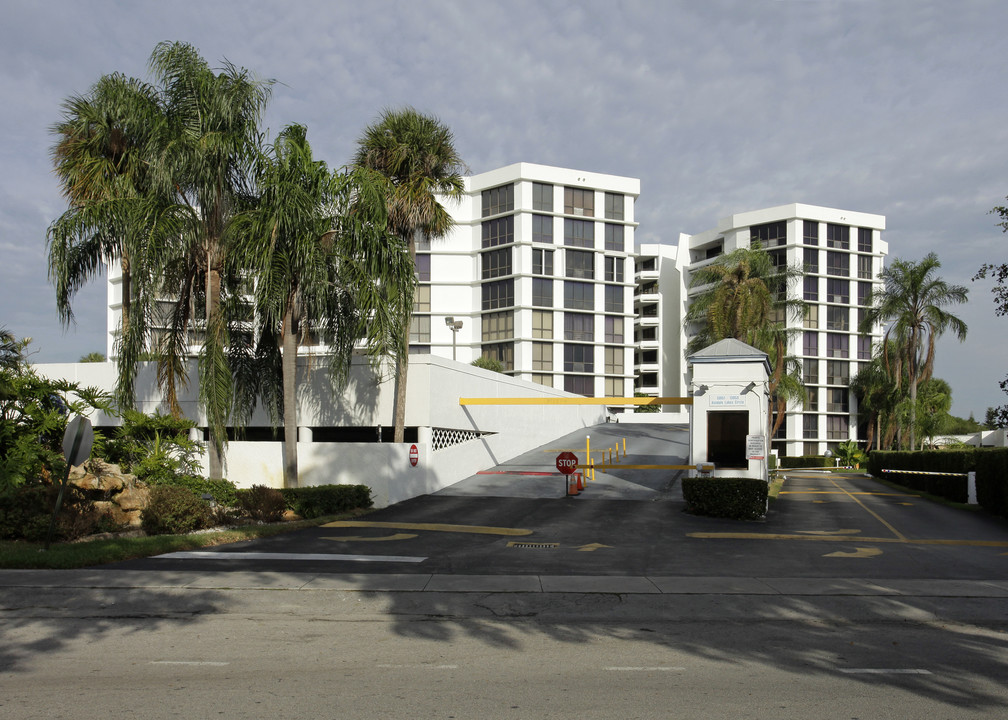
[(446, 437)]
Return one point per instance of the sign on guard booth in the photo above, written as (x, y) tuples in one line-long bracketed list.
[(414, 455)]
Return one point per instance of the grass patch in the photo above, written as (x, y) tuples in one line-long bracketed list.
[(776, 484), (18, 554)]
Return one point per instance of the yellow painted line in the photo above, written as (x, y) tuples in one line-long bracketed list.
[(856, 553), (845, 538), (871, 512), (362, 538), (434, 527), (577, 401), (830, 532), (844, 492)]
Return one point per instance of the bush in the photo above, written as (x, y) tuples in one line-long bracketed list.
[(223, 491), (261, 503), (735, 498), (26, 512), (992, 480), (312, 502), (805, 461), (174, 510), (953, 487)]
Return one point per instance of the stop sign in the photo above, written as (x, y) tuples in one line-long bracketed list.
[(566, 462)]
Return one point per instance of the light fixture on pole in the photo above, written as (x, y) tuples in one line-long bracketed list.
[(454, 325)]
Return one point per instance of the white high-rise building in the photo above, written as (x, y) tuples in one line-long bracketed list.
[(539, 271), (842, 254)]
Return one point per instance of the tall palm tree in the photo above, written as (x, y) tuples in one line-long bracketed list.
[(203, 158), (877, 397), (100, 158), (746, 298), (314, 268), (913, 300), (416, 155)]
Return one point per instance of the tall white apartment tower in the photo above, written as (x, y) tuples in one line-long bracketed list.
[(841, 254), (538, 273)]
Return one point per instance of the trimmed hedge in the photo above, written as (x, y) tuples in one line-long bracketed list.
[(805, 461), (312, 502), (727, 497), (992, 480)]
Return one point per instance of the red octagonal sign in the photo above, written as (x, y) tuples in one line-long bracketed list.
[(566, 462)]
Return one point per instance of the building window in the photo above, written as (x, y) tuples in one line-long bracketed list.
[(502, 352), (837, 345), (810, 448), (498, 326), (864, 348), (614, 238), (423, 267), (542, 229), (810, 257), (864, 267), (837, 264), (580, 264), (837, 372), (421, 299), (810, 426), (864, 294), (498, 232), (496, 263), (546, 380), (811, 288), (542, 356), (542, 262), (614, 298), (864, 240), (579, 233), (579, 358), (420, 329), (580, 385), (810, 371), (769, 235), (542, 324), (498, 294), (613, 361), (614, 269), (837, 318), (615, 387), (838, 291), (838, 236), (579, 327), (810, 344), (837, 427), (810, 232), (542, 197), (579, 295), (542, 292), (498, 200), (579, 201), (613, 329), (811, 317), (613, 206)]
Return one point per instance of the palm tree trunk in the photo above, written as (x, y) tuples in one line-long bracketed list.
[(215, 449), (402, 368), (289, 370), (127, 293)]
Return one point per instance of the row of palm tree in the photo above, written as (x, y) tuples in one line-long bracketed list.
[(173, 180)]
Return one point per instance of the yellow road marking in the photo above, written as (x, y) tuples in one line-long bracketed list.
[(871, 512), (362, 538), (858, 553), (592, 547), (435, 527), (845, 538), (843, 492), (830, 532), (576, 401)]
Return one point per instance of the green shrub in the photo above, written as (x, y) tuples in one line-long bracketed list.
[(953, 486), (312, 502), (992, 480), (174, 510), (26, 512), (223, 491), (805, 461), (155, 447), (261, 503), (736, 498)]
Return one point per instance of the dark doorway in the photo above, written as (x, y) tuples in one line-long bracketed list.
[(726, 438)]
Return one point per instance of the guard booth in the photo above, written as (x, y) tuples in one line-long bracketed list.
[(729, 423)]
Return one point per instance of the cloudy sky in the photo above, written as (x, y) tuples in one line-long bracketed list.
[(894, 108)]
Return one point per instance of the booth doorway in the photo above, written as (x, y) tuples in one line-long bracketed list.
[(726, 438)]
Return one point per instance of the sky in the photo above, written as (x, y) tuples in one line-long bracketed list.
[(718, 107)]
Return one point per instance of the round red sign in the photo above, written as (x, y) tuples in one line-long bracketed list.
[(414, 455), (566, 462)]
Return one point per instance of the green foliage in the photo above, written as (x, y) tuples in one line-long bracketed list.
[(312, 502), (94, 357), (156, 448), (261, 503), (805, 461), (645, 408), (954, 425), (735, 498), (955, 462), (26, 512), (849, 454), (174, 510), (992, 480), (222, 491), (488, 363)]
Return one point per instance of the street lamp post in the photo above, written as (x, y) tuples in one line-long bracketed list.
[(454, 325)]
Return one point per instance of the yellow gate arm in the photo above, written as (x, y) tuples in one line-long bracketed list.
[(578, 401)]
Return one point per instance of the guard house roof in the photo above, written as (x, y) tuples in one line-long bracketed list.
[(730, 350)]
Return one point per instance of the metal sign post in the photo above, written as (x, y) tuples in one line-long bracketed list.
[(77, 442)]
